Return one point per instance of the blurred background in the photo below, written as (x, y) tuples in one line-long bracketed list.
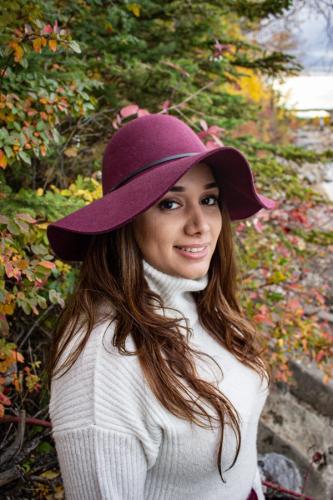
[(257, 75)]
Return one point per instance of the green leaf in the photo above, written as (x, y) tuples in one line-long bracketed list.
[(8, 151), (13, 228), (45, 447), (26, 307), (22, 225), (25, 157), (39, 249), (75, 46), (40, 126), (41, 302)]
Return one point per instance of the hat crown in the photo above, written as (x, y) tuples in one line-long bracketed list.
[(143, 141)]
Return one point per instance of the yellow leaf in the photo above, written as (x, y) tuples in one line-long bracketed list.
[(3, 159), (280, 342), (37, 44), (17, 381), (18, 357), (71, 151), (7, 308), (18, 50), (43, 225), (134, 8), (50, 474), (40, 192), (53, 45), (42, 149)]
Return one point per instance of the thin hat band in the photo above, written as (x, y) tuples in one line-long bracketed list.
[(149, 165)]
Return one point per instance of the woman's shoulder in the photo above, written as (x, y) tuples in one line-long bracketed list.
[(100, 385), (96, 342)]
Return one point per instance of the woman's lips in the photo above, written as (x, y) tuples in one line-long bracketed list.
[(193, 255)]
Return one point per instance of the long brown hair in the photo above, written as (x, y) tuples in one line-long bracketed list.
[(113, 271)]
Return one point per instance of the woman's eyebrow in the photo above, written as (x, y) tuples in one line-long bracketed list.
[(181, 188)]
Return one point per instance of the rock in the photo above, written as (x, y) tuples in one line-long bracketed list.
[(279, 469), (310, 388), (310, 309), (327, 189), (328, 174), (322, 217), (293, 428), (312, 279), (326, 316)]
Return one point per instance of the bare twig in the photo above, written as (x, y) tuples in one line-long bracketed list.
[(292, 493), (36, 323), (191, 96), (29, 421)]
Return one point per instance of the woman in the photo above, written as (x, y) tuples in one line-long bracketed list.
[(157, 383)]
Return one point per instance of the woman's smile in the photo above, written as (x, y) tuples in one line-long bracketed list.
[(193, 252)]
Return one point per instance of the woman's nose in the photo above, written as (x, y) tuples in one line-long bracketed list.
[(196, 221)]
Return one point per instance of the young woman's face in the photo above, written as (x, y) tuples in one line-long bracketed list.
[(187, 217)]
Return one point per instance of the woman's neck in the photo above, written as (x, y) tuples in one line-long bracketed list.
[(176, 292)]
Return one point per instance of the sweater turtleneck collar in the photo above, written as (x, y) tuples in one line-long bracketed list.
[(175, 291)]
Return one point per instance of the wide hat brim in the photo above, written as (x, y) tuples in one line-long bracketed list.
[(70, 236)]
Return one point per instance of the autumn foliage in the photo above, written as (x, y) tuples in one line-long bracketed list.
[(66, 84)]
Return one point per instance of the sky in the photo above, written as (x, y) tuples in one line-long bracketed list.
[(315, 49), (312, 91), (313, 88)]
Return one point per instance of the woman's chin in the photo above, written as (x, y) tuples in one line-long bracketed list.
[(193, 270)]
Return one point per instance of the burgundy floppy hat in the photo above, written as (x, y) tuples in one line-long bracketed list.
[(141, 162)]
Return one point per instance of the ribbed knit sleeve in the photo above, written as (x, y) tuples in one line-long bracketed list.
[(98, 464), (257, 485), (105, 438)]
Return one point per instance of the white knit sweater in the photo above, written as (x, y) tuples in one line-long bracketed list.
[(116, 441)]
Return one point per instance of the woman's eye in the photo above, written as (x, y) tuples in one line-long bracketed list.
[(213, 200), (167, 204)]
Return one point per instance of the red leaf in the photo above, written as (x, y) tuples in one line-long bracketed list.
[(4, 400), (215, 130), (165, 106), (295, 307), (240, 226), (143, 112), (298, 216), (47, 264), (263, 316), (47, 29), (258, 226), (211, 145), (129, 110), (320, 298), (202, 134), (320, 356)]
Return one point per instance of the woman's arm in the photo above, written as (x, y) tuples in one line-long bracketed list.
[(257, 485), (98, 464), (105, 435)]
